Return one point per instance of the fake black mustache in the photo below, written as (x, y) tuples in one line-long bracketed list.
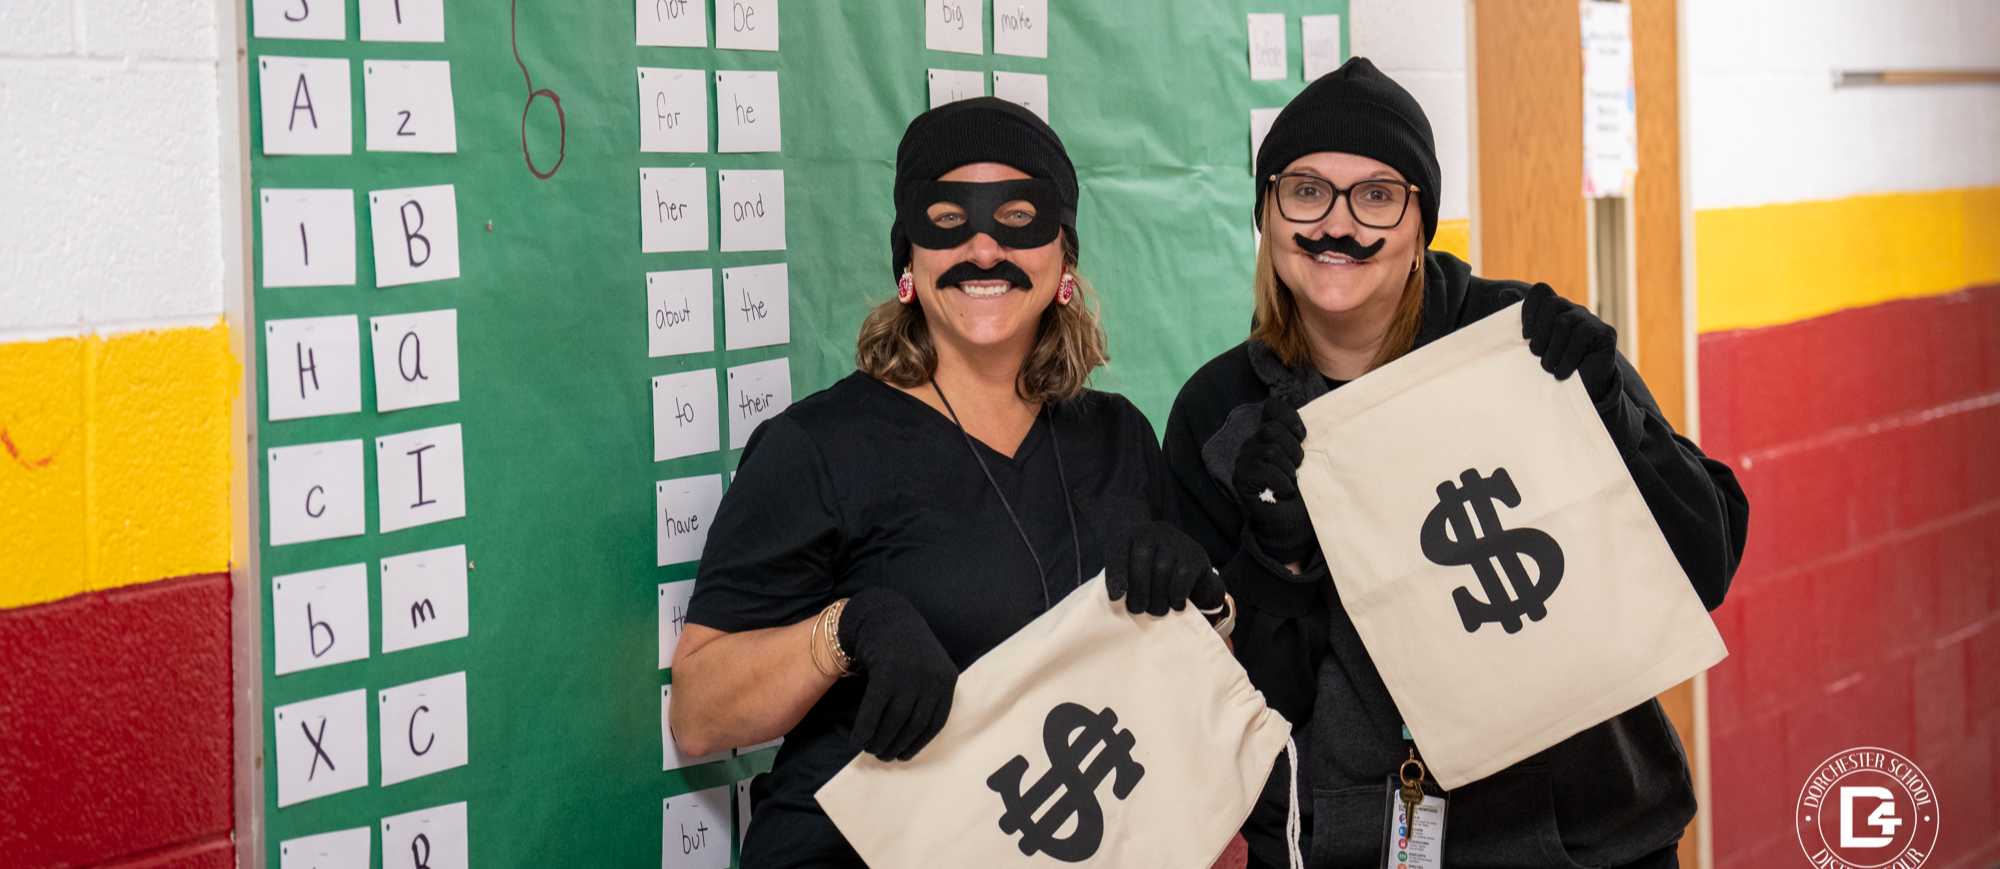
[(1344, 245), (1001, 271)]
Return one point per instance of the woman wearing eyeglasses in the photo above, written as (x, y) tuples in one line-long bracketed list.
[(1347, 196)]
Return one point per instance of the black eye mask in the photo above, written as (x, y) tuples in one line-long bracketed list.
[(981, 201)]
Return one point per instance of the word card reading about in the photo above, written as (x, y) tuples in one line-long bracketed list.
[(742, 809), (1028, 90), (423, 728), (673, 210), (292, 19), (954, 25), (308, 238), (319, 617), (746, 25), (402, 20), (674, 597), (1260, 126), (424, 599), (680, 312), (416, 234), (316, 492), (674, 759), (420, 477), (757, 392), (312, 366), (694, 830), (1267, 47), (427, 839), (673, 110), (416, 359), (307, 104), (322, 746), (342, 849), (952, 85), (746, 108), (1020, 27), (757, 302), (409, 106), (1320, 37), (753, 209), (685, 422), (673, 23), (685, 509)]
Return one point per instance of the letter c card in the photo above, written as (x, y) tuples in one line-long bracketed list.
[(315, 492), (415, 230), (423, 728)]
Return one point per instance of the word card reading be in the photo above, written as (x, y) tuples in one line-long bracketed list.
[(416, 359), (746, 25), (409, 106), (694, 830), (322, 746), (685, 421), (1025, 89), (674, 597), (416, 234), (673, 210), (757, 392), (308, 105), (685, 509), (1320, 38), (341, 849), (423, 728), (671, 752), (1267, 47), (308, 238), (757, 302), (673, 110), (1020, 27), (952, 85), (402, 20), (420, 477), (428, 839), (312, 366), (680, 312), (746, 108), (319, 617), (954, 25), (673, 23), (292, 19), (316, 492), (753, 209), (424, 599)]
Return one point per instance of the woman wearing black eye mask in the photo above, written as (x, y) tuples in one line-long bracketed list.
[(901, 523)]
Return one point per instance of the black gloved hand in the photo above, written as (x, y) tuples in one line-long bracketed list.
[(1570, 339), (1156, 567), (1267, 484), (909, 677)]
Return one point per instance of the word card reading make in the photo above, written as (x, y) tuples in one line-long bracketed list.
[(674, 597), (685, 422), (416, 359), (685, 508), (409, 106), (1267, 47), (423, 728), (952, 85), (307, 104), (427, 839), (746, 106), (1027, 90), (954, 25), (673, 23), (757, 300), (673, 210), (419, 477), (424, 599), (316, 492), (341, 849), (299, 19), (402, 20), (1021, 27), (319, 617), (1320, 38), (680, 312), (671, 752), (694, 830), (757, 392), (753, 209), (322, 746), (308, 238), (312, 366), (416, 234), (673, 110)]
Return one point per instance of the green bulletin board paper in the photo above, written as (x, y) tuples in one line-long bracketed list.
[(1152, 99)]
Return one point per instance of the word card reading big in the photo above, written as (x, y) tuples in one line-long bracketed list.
[(308, 105), (416, 234), (954, 25), (308, 237)]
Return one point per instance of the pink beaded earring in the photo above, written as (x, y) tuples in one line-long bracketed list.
[(1067, 290), (906, 288)]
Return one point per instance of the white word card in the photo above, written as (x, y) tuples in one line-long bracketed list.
[(1021, 27), (420, 477), (416, 359), (424, 599), (954, 25), (308, 105), (674, 759), (308, 238), (674, 597), (769, 743), (409, 106), (742, 809), (684, 416), (428, 839), (341, 849), (322, 746), (423, 728), (673, 210), (1267, 47), (680, 312), (757, 306), (1319, 36), (746, 25), (299, 19), (753, 209), (312, 366), (757, 392), (746, 108), (952, 85), (319, 617), (416, 234), (673, 23), (1025, 89), (316, 492), (673, 110), (685, 509), (402, 20), (694, 830), (1260, 126)]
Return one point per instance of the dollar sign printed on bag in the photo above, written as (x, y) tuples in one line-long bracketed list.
[(1480, 547), (1069, 735)]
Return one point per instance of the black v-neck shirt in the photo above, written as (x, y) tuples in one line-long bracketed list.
[(862, 486)]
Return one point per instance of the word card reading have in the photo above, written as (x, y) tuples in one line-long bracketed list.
[(308, 237), (409, 106), (685, 508), (312, 367), (680, 312)]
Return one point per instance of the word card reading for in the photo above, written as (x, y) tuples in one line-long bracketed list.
[(416, 234), (954, 25), (952, 85), (341, 849), (308, 238), (409, 106), (312, 366), (424, 599), (684, 508), (416, 359), (316, 492), (685, 422), (694, 830), (674, 597), (423, 728), (1028, 90), (673, 210), (402, 20), (322, 746), (680, 312), (757, 304), (753, 209), (673, 110), (293, 19), (1320, 35), (419, 477), (673, 758), (428, 839), (307, 104), (747, 25), (673, 23), (757, 392), (1020, 27), (1267, 47), (746, 108), (319, 617)]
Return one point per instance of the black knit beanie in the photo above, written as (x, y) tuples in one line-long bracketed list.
[(1356, 110), (980, 130)]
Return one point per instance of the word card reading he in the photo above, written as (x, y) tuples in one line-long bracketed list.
[(673, 210), (952, 85), (1020, 27), (673, 110), (416, 234), (315, 492), (307, 103), (322, 746), (1320, 38), (954, 25), (685, 421), (312, 367), (299, 19), (680, 312), (757, 392), (308, 238), (753, 209), (1027, 90), (423, 728), (428, 839), (674, 597), (424, 598), (746, 105), (341, 849), (685, 508), (758, 302), (319, 617), (673, 758), (1267, 47), (409, 107), (746, 25), (402, 20), (694, 830), (673, 23), (416, 359), (420, 477)]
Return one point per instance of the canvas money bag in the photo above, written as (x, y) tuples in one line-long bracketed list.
[(1496, 558), (1092, 737)]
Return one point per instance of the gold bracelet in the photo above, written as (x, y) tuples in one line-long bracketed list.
[(828, 620), (840, 657)]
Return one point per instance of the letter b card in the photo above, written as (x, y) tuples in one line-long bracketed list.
[(416, 234)]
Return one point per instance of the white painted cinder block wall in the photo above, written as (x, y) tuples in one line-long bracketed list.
[(1421, 44)]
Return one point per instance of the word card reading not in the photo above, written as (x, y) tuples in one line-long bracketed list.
[(316, 492), (673, 23), (308, 105), (402, 20), (694, 830), (753, 209), (673, 758), (746, 108), (295, 19), (312, 367), (954, 25), (674, 597), (423, 728), (416, 359), (341, 849), (416, 234), (673, 110), (420, 477), (952, 85), (308, 238), (680, 312), (685, 508), (746, 25), (757, 392), (684, 415), (424, 599), (322, 746), (757, 302), (1025, 89), (1021, 27), (1320, 39), (319, 617), (409, 106), (673, 210), (427, 839)]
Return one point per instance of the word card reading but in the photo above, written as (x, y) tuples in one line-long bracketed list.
[(322, 746), (674, 597), (402, 20), (685, 508), (680, 312), (319, 617), (746, 25), (428, 839), (673, 110), (757, 392), (746, 108), (409, 106), (416, 359), (1020, 27), (308, 238), (312, 367), (308, 105), (673, 210), (757, 300), (685, 421), (694, 830), (299, 19), (416, 234), (753, 209), (1267, 47), (673, 758), (954, 25), (1025, 89), (316, 492), (952, 85), (341, 849), (424, 599), (423, 728), (420, 477), (1320, 39), (673, 23)]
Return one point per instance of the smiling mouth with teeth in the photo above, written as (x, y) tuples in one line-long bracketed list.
[(1334, 259), (984, 291)]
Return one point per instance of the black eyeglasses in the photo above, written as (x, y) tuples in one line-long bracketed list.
[(1376, 204)]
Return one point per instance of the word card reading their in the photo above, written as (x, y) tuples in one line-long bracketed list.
[(685, 508), (420, 477), (746, 105), (674, 759), (673, 210), (673, 110), (673, 23), (341, 849), (952, 85), (746, 25), (680, 312), (409, 107), (753, 209), (312, 366), (424, 599), (694, 830), (319, 617), (954, 25), (1020, 27), (423, 728), (674, 597), (308, 238), (308, 105), (757, 392), (757, 300), (315, 492), (684, 415), (416, 359), (416, 234), (431, 838), (322, 746), (402, 20)]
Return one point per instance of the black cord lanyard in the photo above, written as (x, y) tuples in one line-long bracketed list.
[(1055, 443)]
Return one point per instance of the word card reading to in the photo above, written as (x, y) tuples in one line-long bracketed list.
[(1027, 90), (312, 366), (952, 85), (316, 492), (753, 209), (673, 210), (680, 312), (402, 20), (341, 849), (423, 728), (416, 359), (954, 25), (308, 105), (427, 839), (746, 105), (757, 392), (1267, 47), (694, 830), (322, 746), (424, 599), (416, 234), (673, 110), (674, 759), (685, 508), (673, 23), (685, 421), (420, 477), (319, 617), (1320, 36), (674, 597), (308, 238), (1020, 27), (746, 25), (297, 19), (409, 106), (757, 303)]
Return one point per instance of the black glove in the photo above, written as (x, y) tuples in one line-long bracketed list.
[(909, 677), (1570, 339), (1267, 484), (1156, 567)]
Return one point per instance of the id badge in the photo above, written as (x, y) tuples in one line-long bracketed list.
[(1413, 843)]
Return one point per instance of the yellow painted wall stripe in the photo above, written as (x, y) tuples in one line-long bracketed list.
[(1454, 237)]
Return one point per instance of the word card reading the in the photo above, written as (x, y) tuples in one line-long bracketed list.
[(1020, 27), (673, 23), (674, 759), (402, 20), (1267, 47), (694, 830), (308, 105), (1027, 90), (674, 597), (746, 104), (419, 477), (312, 367), (673, 210), (424, 599), (954, 25), (746, 25), (684, 509), (319, 617), (758, 306), (753, 209), (952, 85), (316, 492), (423, 728), (680, 312), (427, 839), (1320, 39), (757, 392), (409, 107), (685, 422), (416, 234), (299, 19), (341, 849), (673, 110), (308, 238), (416, 359), (322, 746)]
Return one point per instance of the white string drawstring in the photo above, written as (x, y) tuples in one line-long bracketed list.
[(1292, 812)]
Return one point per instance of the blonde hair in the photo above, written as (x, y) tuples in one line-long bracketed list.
[(1277, 323)]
